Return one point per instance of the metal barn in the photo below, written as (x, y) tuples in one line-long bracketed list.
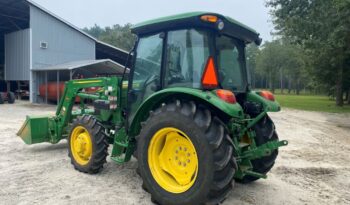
[(37, 47)]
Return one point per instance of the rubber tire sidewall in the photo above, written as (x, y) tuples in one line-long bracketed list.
[(83, 168), (201, 187)]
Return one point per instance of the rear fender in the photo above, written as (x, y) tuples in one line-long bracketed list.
[(269, 106), (205, 97)]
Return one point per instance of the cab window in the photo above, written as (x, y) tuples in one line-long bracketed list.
[(147, 69), (229, 53), (187, 53)]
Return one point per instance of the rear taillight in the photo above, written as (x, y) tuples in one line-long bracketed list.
[(226, 96), (267, 95)]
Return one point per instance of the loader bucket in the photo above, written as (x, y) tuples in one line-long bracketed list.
[(35, 130)]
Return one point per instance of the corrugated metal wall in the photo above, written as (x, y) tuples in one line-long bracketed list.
[(64, 43), (17, 55)]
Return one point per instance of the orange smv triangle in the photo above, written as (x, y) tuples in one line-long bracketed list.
[(209, 78)]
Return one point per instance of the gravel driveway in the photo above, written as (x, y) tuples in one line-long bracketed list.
[(313, 169)]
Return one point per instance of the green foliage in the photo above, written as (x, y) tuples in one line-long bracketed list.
[(117, 35), (310, 103), (280, 61), (270, 60), (322, 28)]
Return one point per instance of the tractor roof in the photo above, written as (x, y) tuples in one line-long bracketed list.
[(193, 19)]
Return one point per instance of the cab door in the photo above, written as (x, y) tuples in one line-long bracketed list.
[(146, 74)]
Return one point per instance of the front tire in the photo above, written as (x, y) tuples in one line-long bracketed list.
[(87, 144), (200, 133)]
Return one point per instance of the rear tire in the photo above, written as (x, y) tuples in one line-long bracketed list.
[(87, 144), (214, 150), (265, 132), (11, 97)]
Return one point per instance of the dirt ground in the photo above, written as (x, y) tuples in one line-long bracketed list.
[(313, 169)]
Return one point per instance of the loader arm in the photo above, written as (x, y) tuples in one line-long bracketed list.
[(75, 88), (54, 128)]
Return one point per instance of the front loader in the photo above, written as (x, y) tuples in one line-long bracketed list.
[(186, 112)]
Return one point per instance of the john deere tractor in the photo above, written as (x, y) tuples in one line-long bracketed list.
[(185, 110)]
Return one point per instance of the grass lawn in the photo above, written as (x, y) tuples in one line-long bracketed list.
[(311, 103)]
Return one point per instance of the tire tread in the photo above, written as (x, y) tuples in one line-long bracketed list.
[(98, 158), (217, 137)]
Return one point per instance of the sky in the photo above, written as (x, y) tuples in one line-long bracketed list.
[(86, 13)]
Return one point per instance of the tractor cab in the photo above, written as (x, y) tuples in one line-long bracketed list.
[(194, 50)]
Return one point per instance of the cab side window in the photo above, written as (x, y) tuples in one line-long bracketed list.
[(146, 76), (187, 53)]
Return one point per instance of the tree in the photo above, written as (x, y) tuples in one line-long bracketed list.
[(322, 28), (347, 82), (295, 66), (280, 60), (270, 62), (96, 31), (117, 35)]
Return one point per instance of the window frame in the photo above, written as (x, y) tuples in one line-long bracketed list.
[(211, 44), (241, 60), (212, 36), (132, 70)]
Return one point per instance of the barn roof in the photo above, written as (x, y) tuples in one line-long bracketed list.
[(100, 67), (15, 15), (72, 26)]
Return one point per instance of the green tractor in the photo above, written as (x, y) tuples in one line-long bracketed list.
[(184, 110)]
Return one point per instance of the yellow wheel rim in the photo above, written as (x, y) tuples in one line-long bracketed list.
[(80, 145), (173, 160)]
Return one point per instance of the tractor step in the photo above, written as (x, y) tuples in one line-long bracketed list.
[(122, 148)]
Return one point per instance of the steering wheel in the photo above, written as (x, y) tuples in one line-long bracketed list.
[(175, 76), (150, 80)]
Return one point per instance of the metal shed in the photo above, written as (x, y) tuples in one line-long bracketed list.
[(72, 70), (33, 38)]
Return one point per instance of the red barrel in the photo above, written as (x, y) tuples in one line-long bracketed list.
[(52, 90)]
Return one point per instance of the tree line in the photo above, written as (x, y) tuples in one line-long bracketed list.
[(116, 35), (311, 50), (313, 46), (278, 64)]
